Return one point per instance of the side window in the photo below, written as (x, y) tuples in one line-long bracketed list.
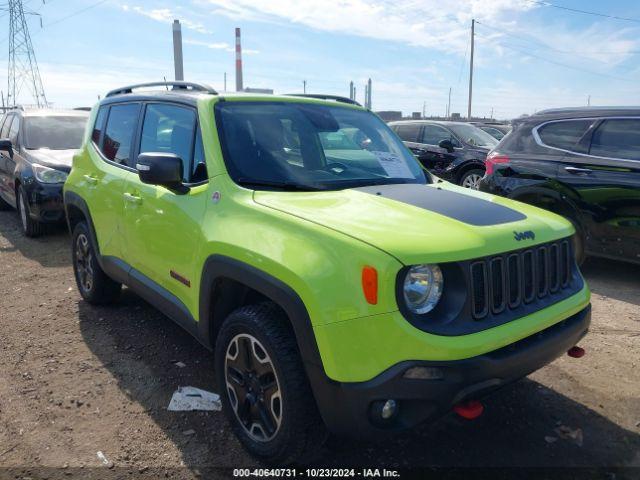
[(99, 125), (170, 129), (15, 129), (409, 132), (434, 134), (4, 133), (119, 132), (565, 134), (617, 139)]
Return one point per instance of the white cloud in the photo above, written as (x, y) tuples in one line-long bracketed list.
[(428, 23), (166, 15), (219, 46)]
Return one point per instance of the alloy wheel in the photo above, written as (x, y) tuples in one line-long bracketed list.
[(83, 262), (472, 181), (253, 387)]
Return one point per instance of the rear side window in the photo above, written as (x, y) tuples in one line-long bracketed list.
[(409, 132), (565, 134), (98, 127), (119, 132), (617, 139), (170, 129)]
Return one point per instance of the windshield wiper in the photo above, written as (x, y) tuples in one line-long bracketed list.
[(249, 182)]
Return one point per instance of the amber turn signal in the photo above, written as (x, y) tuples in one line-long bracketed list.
[(370, 284)]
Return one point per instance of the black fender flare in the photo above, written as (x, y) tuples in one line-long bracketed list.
[(220, 266)]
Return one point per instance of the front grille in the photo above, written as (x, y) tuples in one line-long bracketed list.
[(510, 281)]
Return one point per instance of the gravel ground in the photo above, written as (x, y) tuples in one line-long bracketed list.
[(76, 380)]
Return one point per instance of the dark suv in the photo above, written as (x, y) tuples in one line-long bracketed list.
[(454, 151), (36, 149), (581, 163)]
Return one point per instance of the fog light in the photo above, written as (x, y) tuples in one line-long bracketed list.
[(424, 373), (389, 409)]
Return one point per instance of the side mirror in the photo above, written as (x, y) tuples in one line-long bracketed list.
[(6, 146), (447, 145), (164, 169)]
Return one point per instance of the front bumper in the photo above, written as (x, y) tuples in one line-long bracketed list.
[(45, 202), (350, 408)]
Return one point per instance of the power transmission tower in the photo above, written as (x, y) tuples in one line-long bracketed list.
[(23, 68)]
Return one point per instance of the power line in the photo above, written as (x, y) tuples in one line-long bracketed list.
[(584, 70), (584, 12), (548, 47), (73, 14)]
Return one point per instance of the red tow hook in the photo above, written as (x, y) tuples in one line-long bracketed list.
[(470, 409), (576, 352)]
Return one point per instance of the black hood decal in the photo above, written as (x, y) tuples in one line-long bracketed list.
[(473, 211)]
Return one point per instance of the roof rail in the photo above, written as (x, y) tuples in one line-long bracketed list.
[(321, 96), (175, 85)]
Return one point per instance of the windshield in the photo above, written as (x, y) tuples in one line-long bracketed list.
[(494, 132), (309, 146), (473, 135), (54, 132)]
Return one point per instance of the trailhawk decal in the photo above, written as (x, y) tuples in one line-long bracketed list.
[(458, 206)]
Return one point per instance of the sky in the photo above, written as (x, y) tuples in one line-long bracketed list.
[(528, 55)]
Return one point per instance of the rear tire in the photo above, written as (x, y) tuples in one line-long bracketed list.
[(94, 285), (265, 392), (471, 178), (30, 227)]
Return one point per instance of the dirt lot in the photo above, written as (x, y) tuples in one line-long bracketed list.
[(75, 380)]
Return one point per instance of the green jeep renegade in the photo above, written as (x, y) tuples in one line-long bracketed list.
[(341, 287)]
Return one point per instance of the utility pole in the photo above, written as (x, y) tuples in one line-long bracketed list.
[(491, 113), (23, 67), (304, 86), (225, 81), (424, 109), (449, 104), (473, 28), (589, 101)]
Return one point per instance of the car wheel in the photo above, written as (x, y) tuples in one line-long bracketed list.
[(94, 285), (471, 179), (30, 227), (265, 392)]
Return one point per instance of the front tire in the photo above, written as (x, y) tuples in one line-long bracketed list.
[(265, 391), (30, 227), (471, 178), (94, 285)]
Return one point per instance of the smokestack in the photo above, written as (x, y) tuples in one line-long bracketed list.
[(177, 50), (238, 62), (351, 95), (369, 94)]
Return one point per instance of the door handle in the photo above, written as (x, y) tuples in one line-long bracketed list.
[(578, 171), (134, 199), (91, 180)]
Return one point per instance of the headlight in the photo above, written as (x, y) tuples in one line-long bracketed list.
[(48, 175), (423, 288)]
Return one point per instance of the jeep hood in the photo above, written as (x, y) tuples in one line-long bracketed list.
[(424, 223)]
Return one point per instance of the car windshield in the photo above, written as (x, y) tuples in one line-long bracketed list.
[(494, 132), (54, 132), (473, 135), (305, 146)]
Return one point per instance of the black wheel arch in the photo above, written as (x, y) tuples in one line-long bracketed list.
[(467, 165)]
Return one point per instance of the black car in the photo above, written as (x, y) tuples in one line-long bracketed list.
[(454, 151), (582, 163), (496, 130), (36, 149)]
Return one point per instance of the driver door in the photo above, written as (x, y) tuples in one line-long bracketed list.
[(434, 157), (163, 229)]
